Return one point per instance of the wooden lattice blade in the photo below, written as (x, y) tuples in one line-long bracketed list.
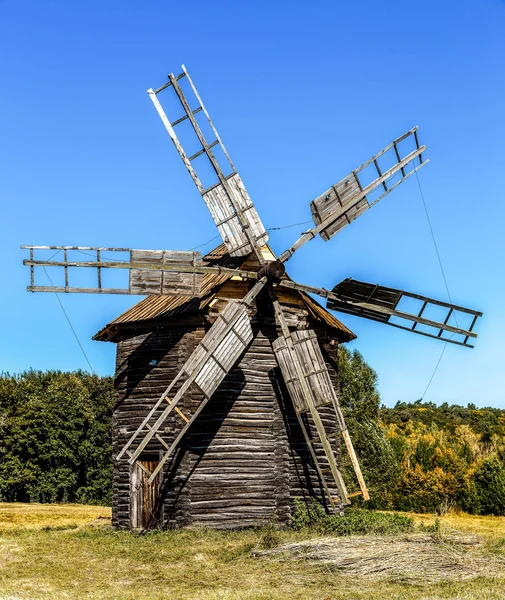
[(224, 192), (309, 385), (150, 272), (384, 304), (348, 199), (345, 201)]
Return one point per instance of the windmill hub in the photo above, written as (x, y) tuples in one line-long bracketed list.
[(273, 269)]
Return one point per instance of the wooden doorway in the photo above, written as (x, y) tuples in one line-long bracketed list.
[(146, 508)]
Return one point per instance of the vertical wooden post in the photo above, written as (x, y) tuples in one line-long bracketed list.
[(99, 270), (32, 270), (65, 269)]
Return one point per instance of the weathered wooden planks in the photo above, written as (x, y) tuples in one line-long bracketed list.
[(244, 460), (231, 343), (165, 283), (225, 217), (314, 370)]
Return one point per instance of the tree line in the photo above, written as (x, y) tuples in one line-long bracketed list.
[(55, 443)]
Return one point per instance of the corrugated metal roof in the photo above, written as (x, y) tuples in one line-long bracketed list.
[(163, 307), (319, 313)]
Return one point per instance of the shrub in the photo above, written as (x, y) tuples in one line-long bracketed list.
[(355, 521), (487, 495)]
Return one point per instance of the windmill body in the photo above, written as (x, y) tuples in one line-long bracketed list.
[(227, 372), (245, 459)]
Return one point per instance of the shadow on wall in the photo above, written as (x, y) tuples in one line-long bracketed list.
[(197, 441), (146, 357), (301, 458)]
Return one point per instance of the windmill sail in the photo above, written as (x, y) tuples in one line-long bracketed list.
[(205, 369), (349, 198), (345, 201), (380, 303), (150, 272), (312, 388), (225, 195)]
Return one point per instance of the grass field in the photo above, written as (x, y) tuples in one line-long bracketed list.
[(70, 551)]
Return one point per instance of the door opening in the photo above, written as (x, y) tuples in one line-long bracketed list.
[(146, 509)]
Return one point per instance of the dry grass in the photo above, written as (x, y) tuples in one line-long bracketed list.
[(488, 527), (19, 515), (414, 559), (40, 559)]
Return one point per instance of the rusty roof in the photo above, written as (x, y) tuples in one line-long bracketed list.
[(153, 308)]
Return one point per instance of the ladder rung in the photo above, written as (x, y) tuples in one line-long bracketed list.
[(331, 436), (417, 144), (164, 87), (307, 409), (353, 495), (196, 154), (398, 157), (197, 110)]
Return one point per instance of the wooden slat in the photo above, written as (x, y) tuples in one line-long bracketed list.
[(227, 221), (165, 283)]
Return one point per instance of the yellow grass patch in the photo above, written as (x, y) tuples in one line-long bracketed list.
[(18, 515)]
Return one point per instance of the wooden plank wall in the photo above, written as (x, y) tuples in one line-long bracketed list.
[(244, 460), (145, 365)]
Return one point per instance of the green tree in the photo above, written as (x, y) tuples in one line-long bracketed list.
[(360, 402), (55, 437), (488, 489)]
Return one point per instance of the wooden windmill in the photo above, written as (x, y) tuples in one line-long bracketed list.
[(297, 350)]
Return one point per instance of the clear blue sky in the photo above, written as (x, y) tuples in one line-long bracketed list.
[(301, 93)]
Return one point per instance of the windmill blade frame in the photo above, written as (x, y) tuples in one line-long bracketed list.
[(302, 365), (379, 303), (151, 272), (207, 366), (345, 201), (228, 201)]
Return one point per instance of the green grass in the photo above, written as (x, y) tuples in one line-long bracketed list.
[(355, 521), (59, 552)]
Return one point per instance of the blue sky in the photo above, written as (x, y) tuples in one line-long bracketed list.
[(301, 93)]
